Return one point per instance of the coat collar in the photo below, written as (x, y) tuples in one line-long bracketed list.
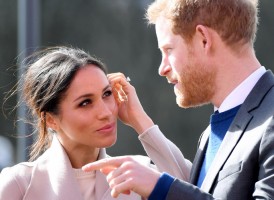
[(53, 178), (54, 172)]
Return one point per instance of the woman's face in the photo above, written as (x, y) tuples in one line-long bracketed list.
[(87, 116)]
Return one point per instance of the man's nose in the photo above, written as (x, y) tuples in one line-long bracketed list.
[(164, 68)]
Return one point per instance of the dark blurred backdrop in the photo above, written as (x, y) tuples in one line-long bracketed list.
[(115, 31)]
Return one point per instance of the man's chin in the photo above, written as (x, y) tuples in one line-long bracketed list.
[(183, 103)]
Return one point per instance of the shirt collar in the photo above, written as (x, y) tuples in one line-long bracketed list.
[(239, 94)]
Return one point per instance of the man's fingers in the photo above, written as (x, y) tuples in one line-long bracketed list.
[(97, 165), (127, 192), (114, 162), (121, 188), (115, 194), (107, 170)]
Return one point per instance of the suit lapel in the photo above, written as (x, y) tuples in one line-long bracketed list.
[(230, 140), (237, 128), (199, 157)]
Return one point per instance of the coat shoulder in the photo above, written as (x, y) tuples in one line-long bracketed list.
[(20, 171), (15, 180)]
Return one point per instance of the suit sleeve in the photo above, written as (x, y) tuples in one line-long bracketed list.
[(165, 154), (182, 190), (264, 187)]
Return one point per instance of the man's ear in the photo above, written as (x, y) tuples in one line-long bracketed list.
[(51, 120), (205, 36)]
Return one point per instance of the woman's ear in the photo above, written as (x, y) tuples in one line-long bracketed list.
[(51, 120), (205, 37)]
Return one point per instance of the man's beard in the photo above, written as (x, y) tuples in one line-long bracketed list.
[(196, 86)]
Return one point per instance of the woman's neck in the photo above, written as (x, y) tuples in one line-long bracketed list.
[(79, 158)]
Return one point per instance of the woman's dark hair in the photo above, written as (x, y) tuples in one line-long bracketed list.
[(48, 75)]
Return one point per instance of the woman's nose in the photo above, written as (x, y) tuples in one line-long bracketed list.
[(105, 110)]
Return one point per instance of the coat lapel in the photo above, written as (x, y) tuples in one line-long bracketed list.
[(53, 177)]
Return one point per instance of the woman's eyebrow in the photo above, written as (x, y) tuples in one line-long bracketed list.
[(107, 87), (84, 96), (90, 94)]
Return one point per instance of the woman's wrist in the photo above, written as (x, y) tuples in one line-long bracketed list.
[(143, 124)]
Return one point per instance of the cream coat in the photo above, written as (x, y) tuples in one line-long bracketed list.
[(51, 177)]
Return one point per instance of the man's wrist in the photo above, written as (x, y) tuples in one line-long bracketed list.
[(162, 187)]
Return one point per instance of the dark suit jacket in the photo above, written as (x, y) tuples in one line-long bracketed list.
[(244, 165)]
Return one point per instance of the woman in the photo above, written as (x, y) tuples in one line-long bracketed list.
[(69, 94)]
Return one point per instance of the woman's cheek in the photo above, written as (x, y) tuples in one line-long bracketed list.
[(114, 107)]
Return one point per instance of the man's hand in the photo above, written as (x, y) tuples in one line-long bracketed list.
[(125, 174)]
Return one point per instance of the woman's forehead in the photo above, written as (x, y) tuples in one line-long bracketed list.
[(88, 79)]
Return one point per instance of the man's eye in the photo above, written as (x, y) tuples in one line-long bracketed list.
[(85, 102), (168, 50), (107, 93)]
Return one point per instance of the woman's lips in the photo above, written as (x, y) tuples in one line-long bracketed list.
[(107, 128)]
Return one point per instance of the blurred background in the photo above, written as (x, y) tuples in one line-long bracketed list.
[(115, 31)]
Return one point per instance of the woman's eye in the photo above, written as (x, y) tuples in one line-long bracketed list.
[(85, 102), (107, 93)]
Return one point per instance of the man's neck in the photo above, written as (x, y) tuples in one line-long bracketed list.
[(232, 71)]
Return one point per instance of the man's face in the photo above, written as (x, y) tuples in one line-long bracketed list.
[(183, 66)]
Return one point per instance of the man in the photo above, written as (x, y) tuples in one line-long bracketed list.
[(207, 53)]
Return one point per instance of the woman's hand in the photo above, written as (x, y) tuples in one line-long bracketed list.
[(131, 111)]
